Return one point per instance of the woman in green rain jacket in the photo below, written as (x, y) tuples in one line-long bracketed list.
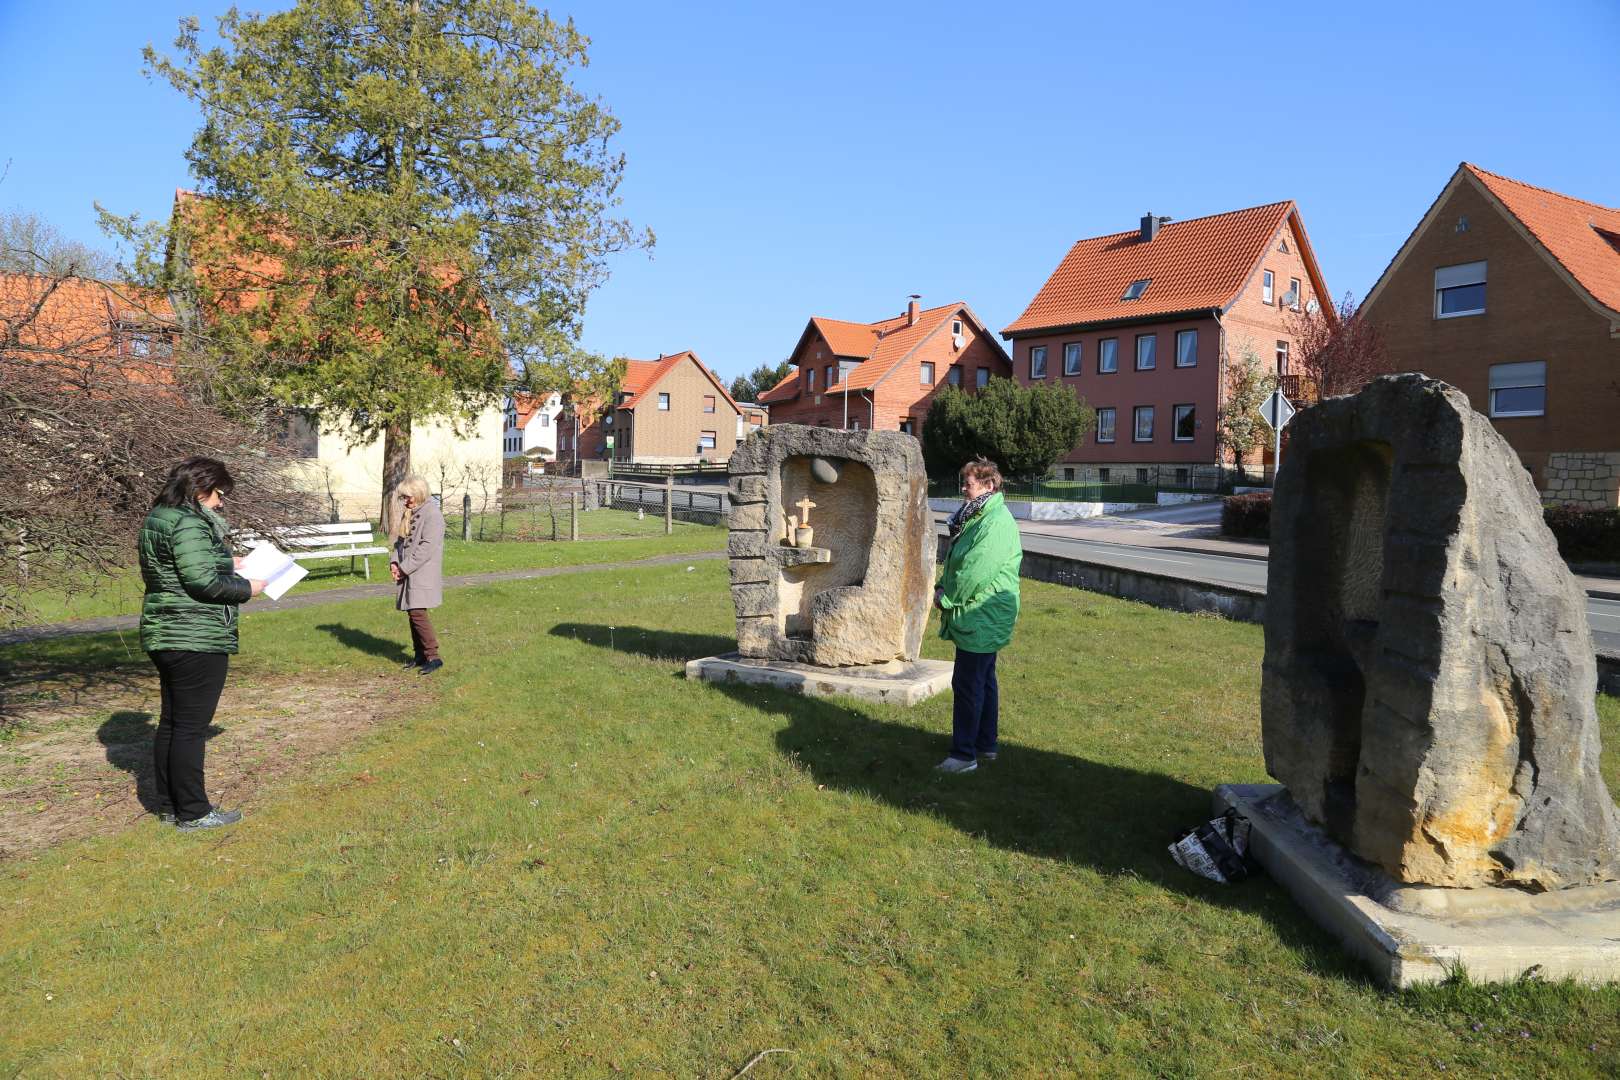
[(977, 597), (188, 627)]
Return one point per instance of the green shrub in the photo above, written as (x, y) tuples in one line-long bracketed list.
[(1585, 534), (1247, 515)]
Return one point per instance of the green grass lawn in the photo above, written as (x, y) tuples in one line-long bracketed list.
[(633, 538), (567, 859)]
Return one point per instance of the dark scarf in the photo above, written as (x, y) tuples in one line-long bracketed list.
[(964, 514)]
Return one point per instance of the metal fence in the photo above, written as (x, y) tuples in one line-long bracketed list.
[(1129, 484), (666, 499)]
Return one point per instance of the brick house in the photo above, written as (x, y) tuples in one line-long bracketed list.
[(669, 411), (1143, 326), (1511, 293), (883, 375)]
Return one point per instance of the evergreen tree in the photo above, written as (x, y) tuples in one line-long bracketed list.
[(1025, 430), (405, 203)]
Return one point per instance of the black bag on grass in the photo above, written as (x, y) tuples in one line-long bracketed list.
[(1217, 850)]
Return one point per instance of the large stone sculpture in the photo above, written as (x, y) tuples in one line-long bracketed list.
[(832, 550), (859, 592), (1429, 673)]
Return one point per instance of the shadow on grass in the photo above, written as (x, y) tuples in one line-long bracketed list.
[(65, 671), (127, 737), (360, 640), (1112, 818)]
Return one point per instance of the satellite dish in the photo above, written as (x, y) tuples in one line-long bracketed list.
[(1290, 298), (1312, 307), (957, 341)]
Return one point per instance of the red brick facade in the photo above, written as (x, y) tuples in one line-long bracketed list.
[(1238, 319), (1534, 310), (884, 390)]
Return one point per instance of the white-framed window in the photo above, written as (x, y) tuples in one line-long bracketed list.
[(927, 369), (1108, 356), (663, 403), (708, 403), (1071, 358), (705, 440), (1268, 286), (1459, 290), (953, 375), (1143, 429), (1282, 357), (1105, 424), (981, 377), (908, 426), (545, 419), (1295, 291), (1186, 425), (956, 328), (1519, 389), (1037, 362), (1186, 348), (1135, 289), (1147, 350)]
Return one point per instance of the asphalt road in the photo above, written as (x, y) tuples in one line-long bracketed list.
[(1603, 615)]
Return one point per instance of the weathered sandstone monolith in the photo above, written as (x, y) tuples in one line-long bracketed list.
[(1429, 672), (859, 594)]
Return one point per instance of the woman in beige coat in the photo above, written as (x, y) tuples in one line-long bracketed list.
[(418, 567)]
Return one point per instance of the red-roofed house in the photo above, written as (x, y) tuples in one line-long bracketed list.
[(531, 429), (1143, 325), (882, 375), (669, 411), (1511, 293)]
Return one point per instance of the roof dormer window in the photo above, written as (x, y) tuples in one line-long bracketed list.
[(1135, 289)]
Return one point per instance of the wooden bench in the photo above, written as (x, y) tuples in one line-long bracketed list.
[(345, 540)]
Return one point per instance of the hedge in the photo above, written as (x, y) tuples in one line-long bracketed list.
[(1584, 534), (1247, 515)]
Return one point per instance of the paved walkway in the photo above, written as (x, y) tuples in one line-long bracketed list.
[(354, 592)]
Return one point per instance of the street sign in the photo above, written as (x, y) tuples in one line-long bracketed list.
[(609, 441), (1277, 410)]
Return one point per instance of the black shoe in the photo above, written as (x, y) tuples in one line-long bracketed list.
[(411, 664), (214, 819), (431, 666)]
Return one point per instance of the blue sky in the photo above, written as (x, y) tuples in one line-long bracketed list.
[(829, 159)]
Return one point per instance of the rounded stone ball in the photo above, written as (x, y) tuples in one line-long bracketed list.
[(823, 470)]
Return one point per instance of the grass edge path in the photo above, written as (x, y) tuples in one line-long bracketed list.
[(107, 623)]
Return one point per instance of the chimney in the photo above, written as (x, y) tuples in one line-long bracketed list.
[(911, 309), (1150, 226)]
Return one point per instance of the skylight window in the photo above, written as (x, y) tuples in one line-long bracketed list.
[(1135, 289)]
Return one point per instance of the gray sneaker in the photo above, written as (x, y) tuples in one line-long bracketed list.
[(987, 755), (956, 765), (214, 819)]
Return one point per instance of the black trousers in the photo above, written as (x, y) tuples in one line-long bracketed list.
[(976, 713), (192, 683)]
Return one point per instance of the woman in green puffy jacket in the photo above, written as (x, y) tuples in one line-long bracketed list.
[(977, 597), (188, 628)]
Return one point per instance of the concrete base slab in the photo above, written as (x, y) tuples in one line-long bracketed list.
[(1411, 934), (897, 682)]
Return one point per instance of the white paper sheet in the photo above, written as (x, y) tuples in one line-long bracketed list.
[(274, 567)]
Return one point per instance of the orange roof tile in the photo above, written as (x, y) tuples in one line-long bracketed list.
[(81, 320), (1582, 236), (527, 406), (640, 376), (879, 346), (1194, 265)]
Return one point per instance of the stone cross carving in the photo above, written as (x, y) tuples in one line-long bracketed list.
[(861, 595), (1428, 687)]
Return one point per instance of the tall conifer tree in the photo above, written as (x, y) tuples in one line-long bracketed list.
[(405, 204)]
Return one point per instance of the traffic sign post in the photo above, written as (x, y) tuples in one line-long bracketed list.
[(1276, 411)]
